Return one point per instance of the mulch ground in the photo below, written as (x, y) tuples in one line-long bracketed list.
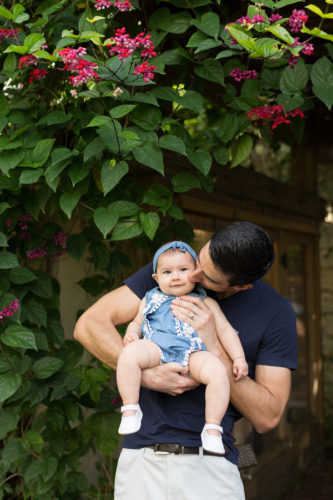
[(315, 484)]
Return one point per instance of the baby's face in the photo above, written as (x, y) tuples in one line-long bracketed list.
[(173, 271)]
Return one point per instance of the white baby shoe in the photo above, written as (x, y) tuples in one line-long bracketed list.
[(210, 443), (129, 425)]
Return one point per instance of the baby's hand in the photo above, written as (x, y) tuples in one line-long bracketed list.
[(130, 337), (240, 368)]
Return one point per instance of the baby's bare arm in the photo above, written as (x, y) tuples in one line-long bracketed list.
[(229, 340)]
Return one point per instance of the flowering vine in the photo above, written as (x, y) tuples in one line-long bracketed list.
[(273, 115)]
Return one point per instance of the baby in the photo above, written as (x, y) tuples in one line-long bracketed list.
[(168, 339)]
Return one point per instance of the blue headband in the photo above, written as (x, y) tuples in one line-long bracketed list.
[(176, 245)]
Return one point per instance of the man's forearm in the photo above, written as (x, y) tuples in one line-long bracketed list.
[(263, 400), (100, 339)]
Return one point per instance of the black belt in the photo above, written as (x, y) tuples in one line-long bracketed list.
[(178, 449)]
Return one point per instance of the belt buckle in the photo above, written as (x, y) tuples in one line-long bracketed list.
[(179, 449), (159, 452)]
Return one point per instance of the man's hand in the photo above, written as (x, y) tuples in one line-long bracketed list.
[(196, 313), (171, 378)]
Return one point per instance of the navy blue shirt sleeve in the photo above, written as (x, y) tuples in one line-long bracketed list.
[(141, 281), (278, 346)]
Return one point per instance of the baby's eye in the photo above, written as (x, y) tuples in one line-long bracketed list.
[(183, 269), (166, 272)]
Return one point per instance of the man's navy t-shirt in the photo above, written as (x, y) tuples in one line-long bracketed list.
[(266, 325)]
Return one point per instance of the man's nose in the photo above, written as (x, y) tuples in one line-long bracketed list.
[(195, 277)]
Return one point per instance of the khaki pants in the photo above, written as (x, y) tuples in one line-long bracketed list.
[(145, 475)]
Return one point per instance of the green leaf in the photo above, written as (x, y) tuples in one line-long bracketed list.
[(318, 33), (30, 176), (34, 312), (241, 149), (41, 152), (126, 230), (47, 366), (150, 223), (211, 70), (196, 39), (120, 111), (221, 155), (149, 154), (99, 120), (322, 72), (228, 127), (9, 383), (3, 240), (324, 94), (8, 421), (4, 105), (201, 159), (184, 182), (10, 159), (8, 260), (14, 449), (319, 12), (102, 428), (282, 33), (209, 23), (173, 143), (33, 42), (191, 100), (6, 13), (290, 102), (76, 245), (207, 45), (68, 201), (105, 220), (21, 275), (55, 118), (19, 336), (146, 116), (112, 174), (294, 79), (3, 207), (124, 208), (176, 212), (42, 286)]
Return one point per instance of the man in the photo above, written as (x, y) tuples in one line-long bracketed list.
[(230, 265)]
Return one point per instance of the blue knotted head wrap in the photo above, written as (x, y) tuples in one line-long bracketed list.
[(176, 245)]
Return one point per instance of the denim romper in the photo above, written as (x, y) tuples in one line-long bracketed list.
[(175, 338)]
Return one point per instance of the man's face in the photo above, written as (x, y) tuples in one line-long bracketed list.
[(207, 274)]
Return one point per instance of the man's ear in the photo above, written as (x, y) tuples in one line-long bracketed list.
[(239, 288)]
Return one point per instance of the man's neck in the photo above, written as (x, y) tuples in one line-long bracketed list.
[(226, 293)]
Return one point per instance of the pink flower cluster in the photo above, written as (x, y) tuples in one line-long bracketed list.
[(307, 49), (8, 33), (145, 70), (36, 253), (274, 18), (74, 63), (9, 310), (106, 4), (125, 46), (239, 75), (37, 74), (275, 115), (296, 20), (246, 20), (24, 227), (60, 239), (27, 61)]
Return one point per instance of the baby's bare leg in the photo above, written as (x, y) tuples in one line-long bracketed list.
[(134, 358), (209, 370)]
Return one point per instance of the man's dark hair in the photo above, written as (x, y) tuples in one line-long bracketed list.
[(243, 251)]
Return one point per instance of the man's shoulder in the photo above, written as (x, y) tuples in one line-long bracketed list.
[(141, 281)]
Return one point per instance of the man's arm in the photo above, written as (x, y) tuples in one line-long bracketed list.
[(96, 328), (96, 331), (262, 401)]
